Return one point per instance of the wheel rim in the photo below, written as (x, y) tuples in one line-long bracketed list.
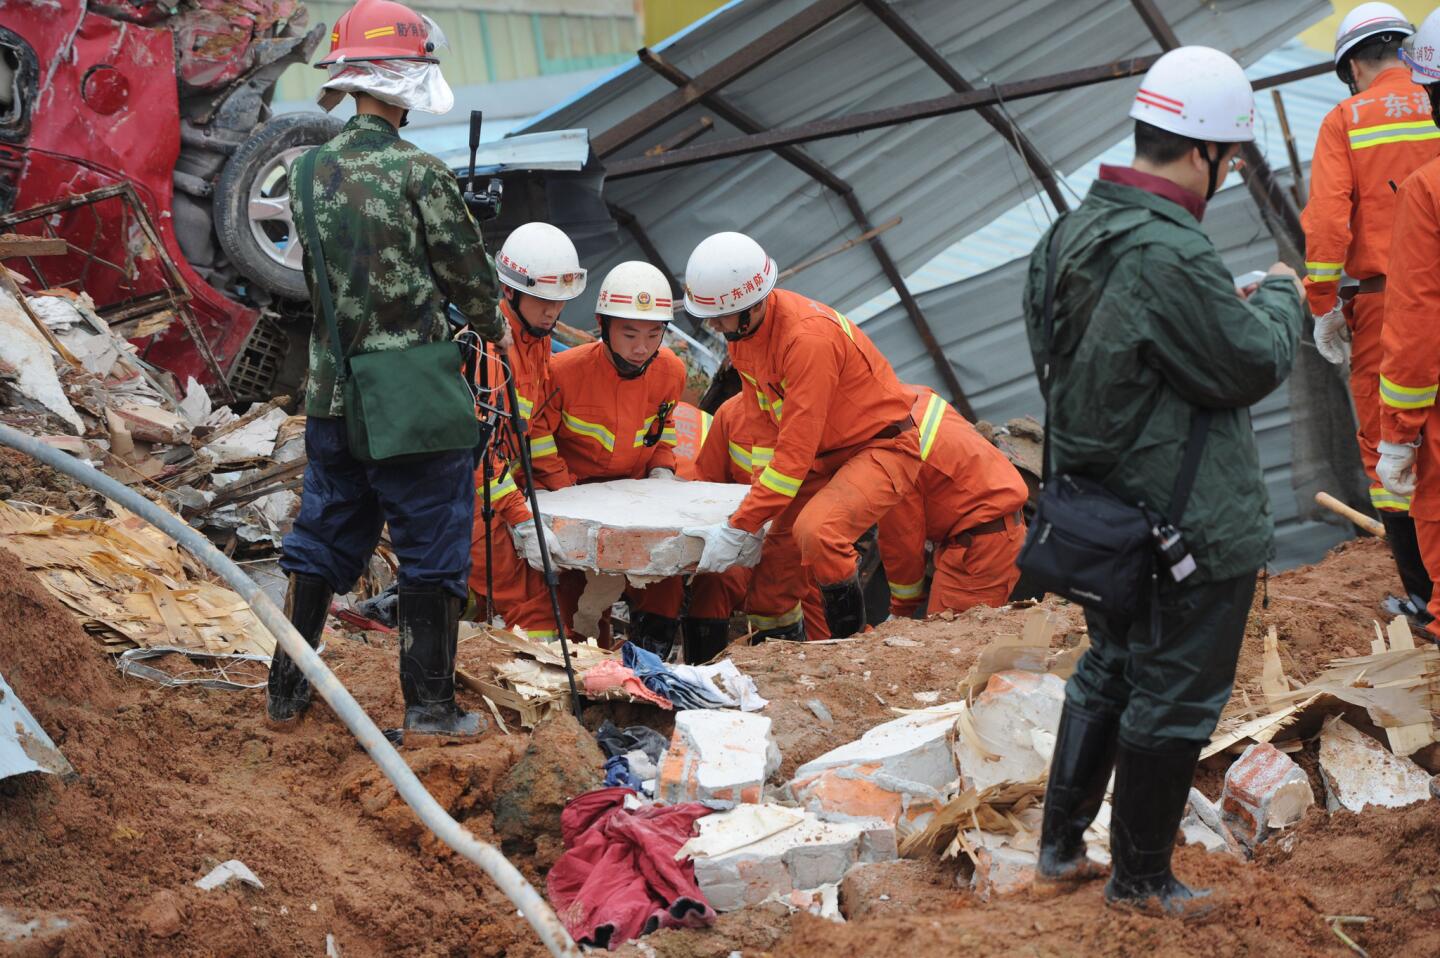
[(271, 222)]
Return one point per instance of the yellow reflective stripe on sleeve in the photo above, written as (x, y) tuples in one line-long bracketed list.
[(930, 425), (845, 324), (542, 446), (1323, 272), (545, 635), (1408, 132), (1382, 498), (591, 430), (526, 406), (760, 623), (1406, 397), (777, 481), (500, 486), (669, 437), (779, 407), (749, 378), (740, 457), (644, 428), (761, 455), (907, 590), (705, 420)]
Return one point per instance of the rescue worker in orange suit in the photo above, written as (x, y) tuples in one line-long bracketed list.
[(967, 502), (847, 450), (739, 444), (539, 272), (1409, 464), (1367, 146), (613, 418)]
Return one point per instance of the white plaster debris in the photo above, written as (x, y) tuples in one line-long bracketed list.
[(803, 856), (254, 440), (719, 757), (1359, 771), (653, 510), (226, 872), (24, 348), (1008, 734)]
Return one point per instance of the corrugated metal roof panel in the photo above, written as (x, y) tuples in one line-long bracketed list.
[(946, 176), (978, 322)]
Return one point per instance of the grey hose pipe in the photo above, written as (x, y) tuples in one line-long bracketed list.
[(532, 906)]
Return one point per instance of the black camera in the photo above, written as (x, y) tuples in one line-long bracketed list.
[(1173, 552)]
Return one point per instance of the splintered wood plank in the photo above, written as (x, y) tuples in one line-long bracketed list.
[(14, 245)]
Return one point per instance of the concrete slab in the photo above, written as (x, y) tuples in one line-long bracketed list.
[(1264, 791), (719, 757), (1008, 733), (632, 526), (900, 772), (1359, 771)]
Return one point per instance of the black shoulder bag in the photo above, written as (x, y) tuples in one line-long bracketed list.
[(1086, 543)]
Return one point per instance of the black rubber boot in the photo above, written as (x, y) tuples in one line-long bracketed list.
[(1079, 771), (1400, 534), (844, 607), (654, 633), (287, 692), (429, 629), (1151, 789), (704, 639)]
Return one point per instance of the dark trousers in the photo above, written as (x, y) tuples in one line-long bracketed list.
[(1174, 687), (429, 504)]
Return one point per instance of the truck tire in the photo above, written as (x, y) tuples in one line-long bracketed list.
[(252, 202)]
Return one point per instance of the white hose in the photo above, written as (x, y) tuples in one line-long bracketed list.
[(532, 906)]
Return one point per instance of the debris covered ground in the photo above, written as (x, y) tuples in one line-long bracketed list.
[(173, 782)]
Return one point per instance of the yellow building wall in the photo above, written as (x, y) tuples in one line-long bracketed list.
[(1322, 35), (664, 17)]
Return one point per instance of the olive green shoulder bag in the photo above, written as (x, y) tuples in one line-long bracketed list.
[(399, 403)]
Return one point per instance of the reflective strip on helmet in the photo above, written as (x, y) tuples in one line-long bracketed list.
[(761, 455), (542, 446), (905, 591), (1410, 132), (930, 425), (740, 457), (1159, 101), (777, 481), (761, 623), (387, 31), (1323, 272), (1382, 498), (1406, 397), (594, 431)]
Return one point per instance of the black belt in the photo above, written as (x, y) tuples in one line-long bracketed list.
[(1370, 284), (965, 538)]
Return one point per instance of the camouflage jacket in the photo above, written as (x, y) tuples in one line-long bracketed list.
[(398, 243)]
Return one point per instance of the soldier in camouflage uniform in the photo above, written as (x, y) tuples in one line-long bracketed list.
[(399, 243)]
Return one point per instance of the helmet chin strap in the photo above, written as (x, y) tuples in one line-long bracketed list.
[(520, 315), (742, 330), (1214, 164), (623, 366), (1433, 89)]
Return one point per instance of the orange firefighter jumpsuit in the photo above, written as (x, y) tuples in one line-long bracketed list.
[(847, 450), (520, 596), (1410, 366), (967, 502), (1367, 146), (608, 427), (739, 442)]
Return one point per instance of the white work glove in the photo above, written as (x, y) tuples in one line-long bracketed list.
[(660, 472), (1332, 337), (527, 543), (1396, 467), (725, 546)]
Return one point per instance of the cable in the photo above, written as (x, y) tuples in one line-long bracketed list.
[(532, 906)]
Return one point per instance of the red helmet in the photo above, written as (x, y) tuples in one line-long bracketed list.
[(380, 30)]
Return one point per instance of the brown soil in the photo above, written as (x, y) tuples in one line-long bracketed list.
[(26, 480), (174, 781)]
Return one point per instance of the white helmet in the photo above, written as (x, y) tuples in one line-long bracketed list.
[(1200, 93), (1365, 21), (726, 273), (540, 260), (636, 290), (1422, 52)]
